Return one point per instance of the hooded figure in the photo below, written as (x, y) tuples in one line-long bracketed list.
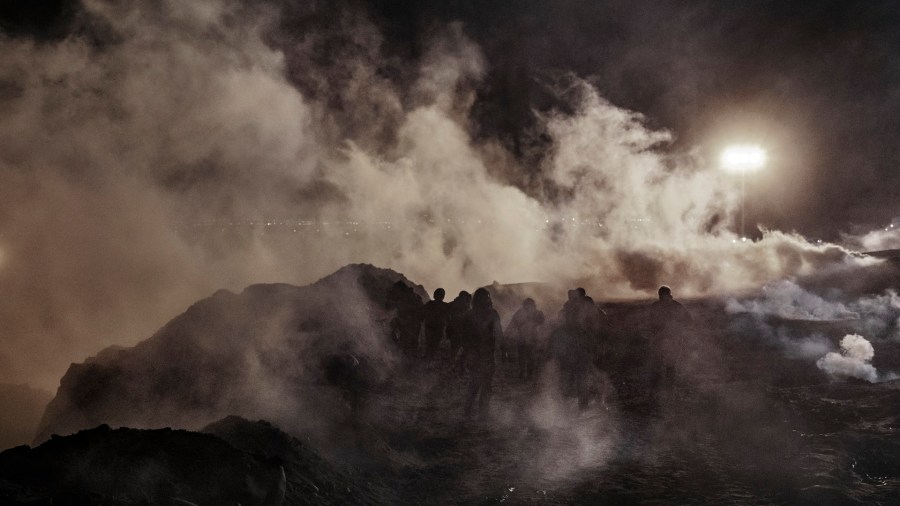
[(485, 331), (575, 344), (669, 323), (524, 328), (456, 327)]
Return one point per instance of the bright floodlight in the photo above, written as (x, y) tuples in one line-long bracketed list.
[(743, 158)]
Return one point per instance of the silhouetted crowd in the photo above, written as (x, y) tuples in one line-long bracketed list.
[(577, 346)]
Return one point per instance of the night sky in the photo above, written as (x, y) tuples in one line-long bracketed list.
[(815, 82)]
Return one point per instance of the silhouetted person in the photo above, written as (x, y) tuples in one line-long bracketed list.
[(669, 321), (588, 318), (456, 327), (523, 329), (406, 325), (575, 343), (485, 331), (592, 325), (669, 311), (434, 322), (567, 313)]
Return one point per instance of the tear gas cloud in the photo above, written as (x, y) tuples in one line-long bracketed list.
[(876, 316), (146, 158), (788, 300)]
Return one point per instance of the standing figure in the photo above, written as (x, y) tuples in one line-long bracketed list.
[(406, 325), (456, 327), (669, 324), (523, 328), (563, 345), (575, 344), (669, 311), (567, 314), (434, 322), (485, 331)]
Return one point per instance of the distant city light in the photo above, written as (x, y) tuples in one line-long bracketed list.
[(743, 158)]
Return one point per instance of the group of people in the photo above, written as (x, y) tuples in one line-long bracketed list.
[(470, 324), (576, 344)]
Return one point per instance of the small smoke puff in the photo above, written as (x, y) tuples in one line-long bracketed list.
[(857, 347), (852, 361)]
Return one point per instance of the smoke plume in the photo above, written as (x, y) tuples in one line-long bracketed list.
[(164, 150), (786, 315), (875, 315)]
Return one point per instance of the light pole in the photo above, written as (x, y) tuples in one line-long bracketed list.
[(743, 159)]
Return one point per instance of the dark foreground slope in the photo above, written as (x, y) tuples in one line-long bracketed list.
[(726, 443), (232, 461)]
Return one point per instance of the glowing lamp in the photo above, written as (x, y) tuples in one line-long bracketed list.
[(743, 158)]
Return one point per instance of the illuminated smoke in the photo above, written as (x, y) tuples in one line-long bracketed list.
[(874, 315), (787, 299), (148, 163), (877, 316)]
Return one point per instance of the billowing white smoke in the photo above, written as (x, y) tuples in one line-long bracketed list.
[(786, 299), (880, 315), (112, 153), (853, 360), (877, 315)]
